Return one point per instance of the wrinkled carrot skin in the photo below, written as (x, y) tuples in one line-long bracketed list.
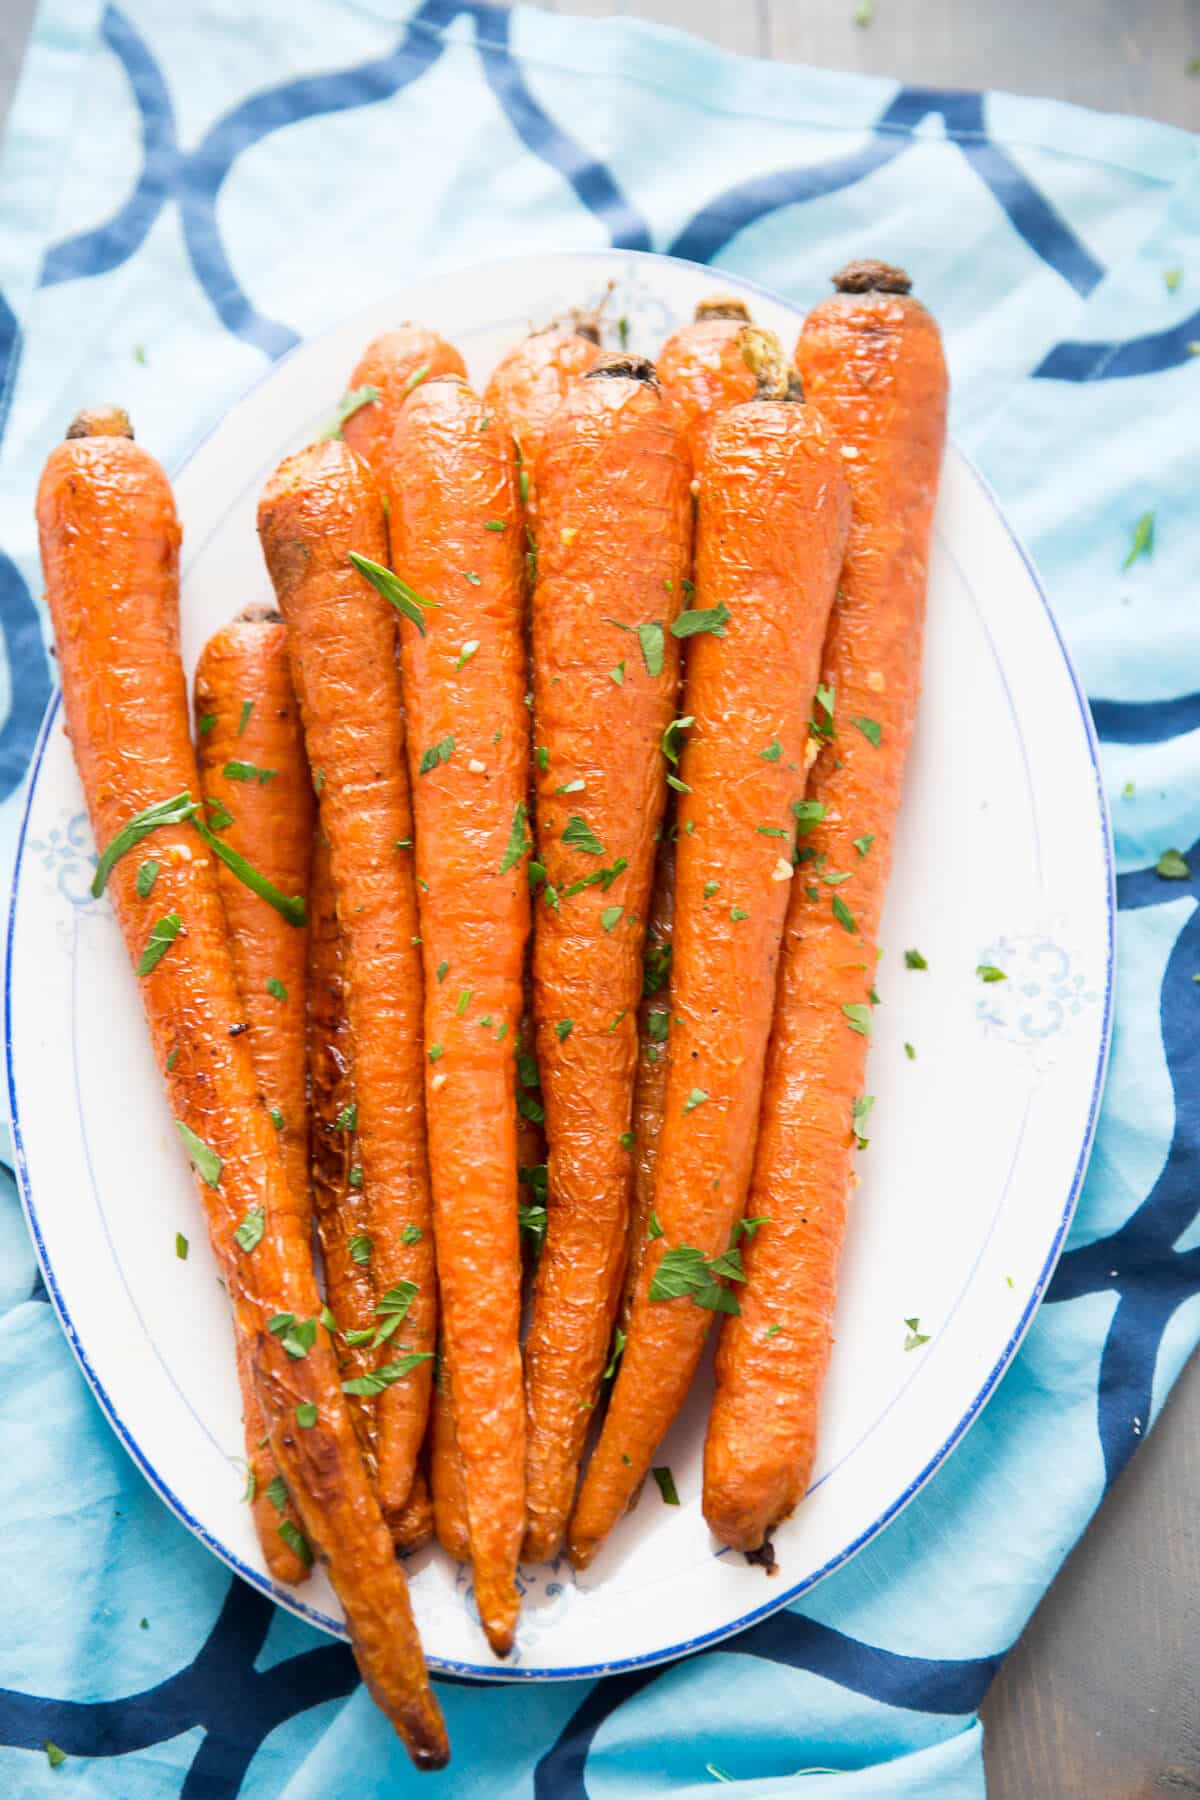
[(714, 362), (412, 1527), (650, 1083), (110, 543), (446, 1475), (527, 386), (339, 1205), (873, 364), (318, 506), (247, 661), (450, 485), (614, 543), (773, 513), (395, 363)]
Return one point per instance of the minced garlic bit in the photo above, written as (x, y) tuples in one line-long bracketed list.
[(849, 452), (476, 767), (438, 1081), (876, 682), (782, 871), (695, 484), (811, 752), (569, 533)]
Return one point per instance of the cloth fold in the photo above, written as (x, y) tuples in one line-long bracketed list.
[(191, 191)]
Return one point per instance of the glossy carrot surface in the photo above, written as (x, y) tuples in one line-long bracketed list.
[(393, 366), (871, 359), (528, 385)]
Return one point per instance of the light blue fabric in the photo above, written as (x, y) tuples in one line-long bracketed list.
[(188, 191)]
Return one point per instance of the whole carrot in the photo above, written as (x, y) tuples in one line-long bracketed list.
[(110, 543), (719, 360), (318, 507), (391, 368), (256, 783), (871, 360), (528, 384), (614, 537), (772, 517), (455, 523), (340, 1207), (246, 717)]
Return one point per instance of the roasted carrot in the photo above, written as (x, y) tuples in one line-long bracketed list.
[(446, 1474), (528, 384), (773, 512), (246, 716), (650, 1083), (455, 524), (318, 507), (413, 1525), (871, 360), (110, 544), (719, 360), (257, 787), (391, 368), (614, 540), (339, 1200)]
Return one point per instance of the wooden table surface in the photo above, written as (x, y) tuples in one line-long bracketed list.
[(1099, 1700)]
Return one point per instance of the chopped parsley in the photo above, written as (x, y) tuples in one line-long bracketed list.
[(276, 988), (306, 1415), (580, 836), (1172, 866), (871, 730), (736, 913), (175, 811), (441, 752), (773, 751), (147, 875), (293, 1537), (181, 1246), (464, 1000), (989, 972), (650, 637), (863, 844), (614, 1359), (204, 1160), (563, 1029), (617, 674), (916, 1337), (611, 916), (249, 1233), (858, 1018), (244, 719), (861, 1113), (653, 1228), (162, 936), (519, 840), (541, 757), (696, 1098), (347, 406), (468, 650), (245, 771), (711, 619), (684, 1273), (347, 1119), (910, 1052), (361, 1247), (436, 1052), (807, 813), (1143, 540), (914, 960), (443, 969), (666, 1485)]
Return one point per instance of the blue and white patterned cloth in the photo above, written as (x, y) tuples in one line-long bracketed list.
[(189, 190)]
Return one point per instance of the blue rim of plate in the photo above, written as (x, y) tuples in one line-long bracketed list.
[(473, 1672)]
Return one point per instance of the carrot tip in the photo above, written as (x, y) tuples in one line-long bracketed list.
[(100, 421), (867, 275)]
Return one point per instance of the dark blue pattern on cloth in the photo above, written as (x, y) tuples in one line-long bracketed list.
[(220, 1690)]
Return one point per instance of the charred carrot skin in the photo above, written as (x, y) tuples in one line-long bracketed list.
[(614, 541), (654, 1052), (720, 359), (871, 360), (773, 513), (455, 523), (250, 748), (245, 665), (529, 383), (110, 540), (319, 506), (339, 1198), (394, 364)]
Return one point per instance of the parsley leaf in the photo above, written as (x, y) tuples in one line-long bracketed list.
[(306, 1415), (611, 916), (916, 1337), (162, 936), (914, 960), (174, 811), (347, 406), (843, 915), (1172, 866), (360, 1247), (248, 1235), (683, 1273), (580, 836), (1143, 540), (666, 1485), (204, 1160), (712, 619), (563, 1029), (773, 751), (519, 840), (989, 972), (656, 968), (394, 590), (246, 771), (295, 1539), (859, 1019), (147, 875), (650, 637), (871, 730), (614, 1359), (696, 1098), (441, 752), (181, 1246), (276, 988), (807, 814), (861, 1113), (617, 674), (347, 1119), (863, 844)]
